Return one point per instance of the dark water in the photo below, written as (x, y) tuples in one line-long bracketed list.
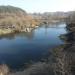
[(19, 48)]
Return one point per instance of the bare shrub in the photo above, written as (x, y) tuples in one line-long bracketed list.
[(4, 69)]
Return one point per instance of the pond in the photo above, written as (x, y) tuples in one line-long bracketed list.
[(20, 48)]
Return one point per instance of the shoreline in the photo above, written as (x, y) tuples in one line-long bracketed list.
[(31, 66), (10, 31)]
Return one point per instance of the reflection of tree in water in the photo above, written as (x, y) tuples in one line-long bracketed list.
[(28, 35), (8, 36), (53, 25)]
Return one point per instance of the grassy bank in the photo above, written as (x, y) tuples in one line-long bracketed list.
[(5, 31)]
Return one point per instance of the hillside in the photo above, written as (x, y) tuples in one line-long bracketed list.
[(15, 19), (11, 9)]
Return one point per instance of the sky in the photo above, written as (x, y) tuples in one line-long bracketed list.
[(41, 6)]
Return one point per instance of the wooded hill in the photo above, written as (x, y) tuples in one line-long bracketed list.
[(15, 18)]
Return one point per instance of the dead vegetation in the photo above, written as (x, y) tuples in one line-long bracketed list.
[(4, 70)]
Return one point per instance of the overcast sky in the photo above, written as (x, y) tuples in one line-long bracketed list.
[(41, 5)]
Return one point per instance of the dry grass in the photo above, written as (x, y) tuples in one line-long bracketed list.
[(4, 70), (37, 69)]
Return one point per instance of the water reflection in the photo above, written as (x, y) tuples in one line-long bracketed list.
[(19, 48), (22, 34), (30, 35)]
